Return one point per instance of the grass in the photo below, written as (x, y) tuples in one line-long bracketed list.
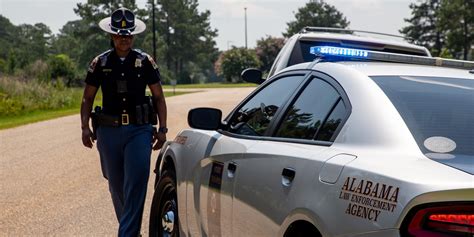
[(28, 102), (211, 85), (41, 115)]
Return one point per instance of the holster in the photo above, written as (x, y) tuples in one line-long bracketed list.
[(152, 113), (94, 120)]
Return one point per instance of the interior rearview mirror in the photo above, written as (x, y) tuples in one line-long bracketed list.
[(252, 75)]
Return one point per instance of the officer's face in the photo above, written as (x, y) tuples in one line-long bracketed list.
[(122, 42)]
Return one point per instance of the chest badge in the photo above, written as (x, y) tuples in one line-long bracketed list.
[(138, 63)]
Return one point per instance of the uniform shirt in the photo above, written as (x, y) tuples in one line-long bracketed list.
[(123, 82)]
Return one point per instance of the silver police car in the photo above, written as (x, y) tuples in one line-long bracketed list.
[(355, 143)]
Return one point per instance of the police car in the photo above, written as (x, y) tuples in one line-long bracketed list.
[(355, 143), (296, 49)]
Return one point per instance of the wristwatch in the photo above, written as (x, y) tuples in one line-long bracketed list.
[(163, 130)]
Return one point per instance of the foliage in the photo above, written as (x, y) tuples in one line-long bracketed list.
[(26, 116), (235, 60), (38, 70), (23, 44), (423, 29), (267, 49), (445, 27), (62, 67), (189, 39), (19, 97), (457, 19), (316, 13)]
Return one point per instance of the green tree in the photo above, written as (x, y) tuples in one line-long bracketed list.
[(267, 49), (233, 61), (445, 27), (7, 36), (457, 19), (188, 38), (34, 41), (69, 41), (316, 13), (423, 28), (23, 44)]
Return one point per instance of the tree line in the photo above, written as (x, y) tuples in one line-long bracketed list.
[(186, 47)]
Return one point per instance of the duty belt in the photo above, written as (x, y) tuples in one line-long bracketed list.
[(115, 120)]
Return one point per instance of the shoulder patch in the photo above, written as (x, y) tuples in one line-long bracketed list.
[(103, 57), (93, 64), (155, 66)]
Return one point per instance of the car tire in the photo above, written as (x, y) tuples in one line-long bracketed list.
[(164, 207)]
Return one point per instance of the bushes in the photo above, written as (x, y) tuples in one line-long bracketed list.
[(20, 97), (62, 67), (231, 63)]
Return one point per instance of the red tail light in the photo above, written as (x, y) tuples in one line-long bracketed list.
[(440, 220)]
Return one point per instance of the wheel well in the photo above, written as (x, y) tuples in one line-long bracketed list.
[(301, 228), (168, 164)]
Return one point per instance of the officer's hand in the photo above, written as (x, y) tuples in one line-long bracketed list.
[(87, 137), (159, 139)]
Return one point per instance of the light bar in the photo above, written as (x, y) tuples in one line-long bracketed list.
[(338, 51), (346, 54)]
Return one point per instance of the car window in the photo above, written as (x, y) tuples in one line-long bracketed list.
[(438, 111), (332, 122), (276, 64), (312, 112), (255, 115)]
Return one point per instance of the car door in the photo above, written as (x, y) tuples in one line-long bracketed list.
[(210, 191), (213, 179), (279, 171)]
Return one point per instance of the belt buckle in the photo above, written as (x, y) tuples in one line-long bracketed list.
[(125, 120)]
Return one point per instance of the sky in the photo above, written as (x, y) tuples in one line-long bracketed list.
[(264, 17)]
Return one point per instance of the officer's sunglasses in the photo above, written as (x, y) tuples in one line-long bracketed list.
[(123, 15)]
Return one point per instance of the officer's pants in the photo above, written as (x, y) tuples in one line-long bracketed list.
[(125, 159)]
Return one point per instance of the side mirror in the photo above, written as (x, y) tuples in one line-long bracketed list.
[(205, 118), (252, 75)]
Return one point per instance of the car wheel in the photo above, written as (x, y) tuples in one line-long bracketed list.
[(164, 208)]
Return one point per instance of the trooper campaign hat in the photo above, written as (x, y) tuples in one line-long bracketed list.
[(122, 22)]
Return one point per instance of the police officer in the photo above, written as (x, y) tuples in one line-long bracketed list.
[(125, 135)]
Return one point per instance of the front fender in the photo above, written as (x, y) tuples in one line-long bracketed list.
[(158, 170)]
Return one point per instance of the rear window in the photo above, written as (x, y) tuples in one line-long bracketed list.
[(438, 111)]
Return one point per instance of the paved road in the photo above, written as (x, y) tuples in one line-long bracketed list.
[(51, 185)]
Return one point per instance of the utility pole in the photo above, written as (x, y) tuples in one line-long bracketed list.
[(154, 29), (245, 9)]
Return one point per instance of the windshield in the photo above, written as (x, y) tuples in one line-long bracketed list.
[(439, 113)]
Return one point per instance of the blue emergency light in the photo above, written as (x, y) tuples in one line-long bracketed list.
[(346, 54), (338, 51)]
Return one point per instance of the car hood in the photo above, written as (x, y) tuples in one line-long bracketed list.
[(461, 162)]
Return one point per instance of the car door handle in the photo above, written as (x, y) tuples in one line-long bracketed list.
[(231, 168), (288, 174)]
